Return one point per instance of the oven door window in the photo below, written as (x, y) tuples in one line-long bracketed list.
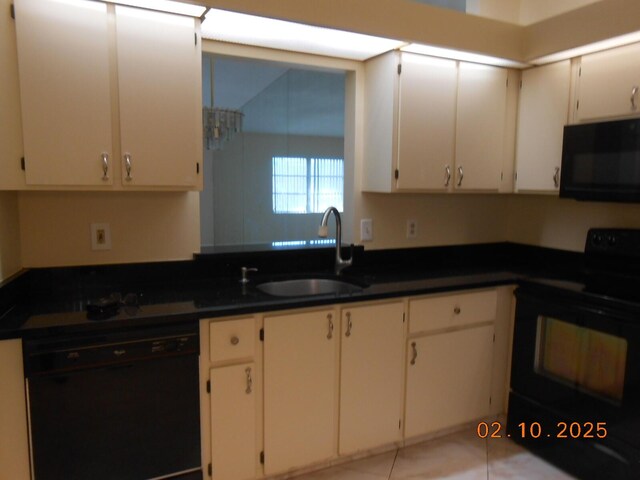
[(588, 360)]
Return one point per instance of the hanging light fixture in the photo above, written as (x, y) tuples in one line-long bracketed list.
[(220, 126)]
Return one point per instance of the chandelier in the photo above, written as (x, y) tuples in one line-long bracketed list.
[(220, 126)]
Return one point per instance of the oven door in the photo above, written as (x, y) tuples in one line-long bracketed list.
[(576, 364)]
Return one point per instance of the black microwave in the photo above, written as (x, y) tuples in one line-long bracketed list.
[(601, 161)]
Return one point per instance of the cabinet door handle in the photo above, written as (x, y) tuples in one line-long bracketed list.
[(460, 176), (235, 340), (127, 165), (556, 177), (349, 325), (105, 166), (447, 175), (634, 92), (414, 354), (330, 333), (249, 381), (457, 310)]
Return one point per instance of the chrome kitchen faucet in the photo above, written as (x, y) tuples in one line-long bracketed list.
[(323, 231)]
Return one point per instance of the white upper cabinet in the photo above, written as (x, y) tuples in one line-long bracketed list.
[(609, 84), (63, 60), (109, 92), (480, 126), (426, 123), (419, 110), (544, 107), (158, 78)]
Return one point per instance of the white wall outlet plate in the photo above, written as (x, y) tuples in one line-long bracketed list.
[(412, 228), (366, 230), (100, 236)]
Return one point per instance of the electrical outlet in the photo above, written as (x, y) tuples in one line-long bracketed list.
[(366, 230), (100, 236), (412, 228)]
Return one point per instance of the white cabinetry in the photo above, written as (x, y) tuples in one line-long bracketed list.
[(609, 84), (543, 112), (300, 389), (449, 360), (106, 90), (371, 380), (480, 126), (419, 110), (229, 361), (14, 440)]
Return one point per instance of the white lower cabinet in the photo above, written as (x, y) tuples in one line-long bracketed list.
[(14, 441), (233, 422), (371, 376), (230, 398), (300, 389), (448, 379)]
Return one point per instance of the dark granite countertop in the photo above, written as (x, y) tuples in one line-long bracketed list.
[(44, 302)]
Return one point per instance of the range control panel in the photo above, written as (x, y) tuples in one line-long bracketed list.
[(622, 242)]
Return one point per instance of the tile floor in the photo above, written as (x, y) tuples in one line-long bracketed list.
[(459, 456)]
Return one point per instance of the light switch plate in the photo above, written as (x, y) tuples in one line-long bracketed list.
[(366, 230), (100, 236)]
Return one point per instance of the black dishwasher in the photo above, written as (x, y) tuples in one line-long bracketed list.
[(115, 405)]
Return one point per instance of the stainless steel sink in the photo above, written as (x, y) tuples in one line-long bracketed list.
[(308, 286)]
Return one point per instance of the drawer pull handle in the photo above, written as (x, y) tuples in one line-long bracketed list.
[(235, 340), (457, 310), (414, 355), (249, 381), (349, 325), (330, 333)]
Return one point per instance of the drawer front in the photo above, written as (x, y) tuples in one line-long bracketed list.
[(447, 311), (232, 339)]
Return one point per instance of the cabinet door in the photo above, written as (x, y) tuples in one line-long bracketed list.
[(607, 82), (448, 379), (426, 122), (300, 389), (159, 73), (63, 61), (544, 105), (371, 376), (14, 440), (480, 126), (233, 422)]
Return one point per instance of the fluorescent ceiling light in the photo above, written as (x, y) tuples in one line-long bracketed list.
[(461, 55), (265, 32), (590, 48), (165, 6)]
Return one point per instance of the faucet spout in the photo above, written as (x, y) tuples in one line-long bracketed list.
[(323, 231)]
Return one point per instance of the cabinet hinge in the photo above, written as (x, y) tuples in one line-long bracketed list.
[(195, 38), (515, 176), (490, 400), (507, 82), (399, 68), (494, 338), (198, 168), (208, 386), (580, 72), (262, 457), (12, 9), (403, 316), (577, 104), (396, 174), (23, 164), (520, 84), (262, 334), (399, 424), (210, 470), (501, 176)]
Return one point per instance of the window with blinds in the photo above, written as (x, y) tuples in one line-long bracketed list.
[(307, 185)]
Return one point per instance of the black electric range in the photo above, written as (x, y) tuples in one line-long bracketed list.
[(575, 379)]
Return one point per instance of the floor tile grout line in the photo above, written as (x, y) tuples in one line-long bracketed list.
[(393, 464)]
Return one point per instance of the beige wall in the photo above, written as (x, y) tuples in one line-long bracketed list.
[(561, 223), (145, 227), (10, 259)]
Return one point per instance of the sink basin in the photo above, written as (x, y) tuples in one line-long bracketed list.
[(308, 286)]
